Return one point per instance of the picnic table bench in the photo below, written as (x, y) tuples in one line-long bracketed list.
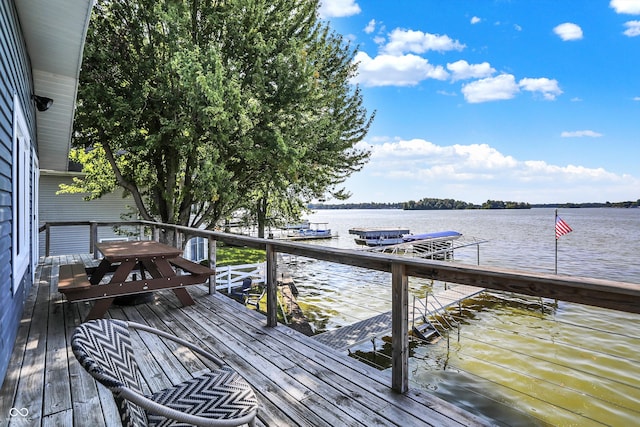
[(160, 261), (72, 280)]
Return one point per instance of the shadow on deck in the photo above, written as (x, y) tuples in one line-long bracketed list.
[(298, 381)]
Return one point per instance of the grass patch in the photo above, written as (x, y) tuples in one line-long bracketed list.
[(234, 255)]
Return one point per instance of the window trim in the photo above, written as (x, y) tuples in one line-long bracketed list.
[(21, 196), (35, 212)]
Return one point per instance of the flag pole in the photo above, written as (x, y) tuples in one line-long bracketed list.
[(556, 237), (561, 228)]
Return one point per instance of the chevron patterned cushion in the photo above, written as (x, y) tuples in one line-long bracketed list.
[(103, 348), (221, 394)]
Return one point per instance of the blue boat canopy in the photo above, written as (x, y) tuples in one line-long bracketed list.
[(435, 235)]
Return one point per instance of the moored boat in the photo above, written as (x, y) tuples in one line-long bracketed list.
[(379, 236), (314, 230)]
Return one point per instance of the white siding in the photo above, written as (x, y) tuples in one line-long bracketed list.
[(72, 207)]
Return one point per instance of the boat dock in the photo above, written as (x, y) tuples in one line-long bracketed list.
[(350, 336)]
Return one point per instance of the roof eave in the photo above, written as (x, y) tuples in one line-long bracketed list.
[(55, 33)]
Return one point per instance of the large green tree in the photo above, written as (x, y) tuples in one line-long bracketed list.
[(200, 107)]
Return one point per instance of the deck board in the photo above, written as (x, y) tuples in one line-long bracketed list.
[(298, 381)]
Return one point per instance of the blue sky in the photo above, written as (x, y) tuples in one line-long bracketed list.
[(535, 101)]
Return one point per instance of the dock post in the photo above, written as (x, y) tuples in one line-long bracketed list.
[(399, 328)]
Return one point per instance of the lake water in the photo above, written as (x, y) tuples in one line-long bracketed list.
[(516, 360)]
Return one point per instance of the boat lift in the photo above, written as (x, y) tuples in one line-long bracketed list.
[(439, 248)]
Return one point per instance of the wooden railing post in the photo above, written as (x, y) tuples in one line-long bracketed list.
[(93, 239), (399, 328), (47, 239), (212, 264), (272, 286)]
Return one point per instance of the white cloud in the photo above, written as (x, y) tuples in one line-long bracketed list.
[(568, 31), (580, 134), (371, 27), (338, 8), (504, 87), (549, 88), (379, 40), (633, 28), (491, 89), (517, 27), (475, 20), (417, 168), (462, 70), (390, 70), (637, 98), (405, 41), (631, 7)]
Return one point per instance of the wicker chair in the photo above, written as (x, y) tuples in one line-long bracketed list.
[(218, 398)]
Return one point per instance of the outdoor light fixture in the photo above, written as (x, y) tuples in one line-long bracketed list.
[(42, 102)]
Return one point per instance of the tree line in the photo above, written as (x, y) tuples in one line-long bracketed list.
[(367, 205), (625, 204), (451, 204)]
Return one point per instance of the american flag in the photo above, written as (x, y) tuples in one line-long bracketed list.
[(562, 227)]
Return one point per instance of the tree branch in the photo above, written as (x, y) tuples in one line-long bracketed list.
[(132, 188)]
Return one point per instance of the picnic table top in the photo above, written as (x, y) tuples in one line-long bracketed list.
[(115, 251)]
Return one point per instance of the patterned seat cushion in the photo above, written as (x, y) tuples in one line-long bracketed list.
[(103, 347), (221, 394)]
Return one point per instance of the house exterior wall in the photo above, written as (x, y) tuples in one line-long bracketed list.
[(15, 85), (72, 207)]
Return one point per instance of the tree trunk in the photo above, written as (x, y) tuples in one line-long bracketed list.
[(261, 215)]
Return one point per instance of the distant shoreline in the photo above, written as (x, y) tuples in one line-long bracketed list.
[(466, 206)]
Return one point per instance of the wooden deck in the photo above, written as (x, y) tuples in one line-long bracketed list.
[(299, 381)]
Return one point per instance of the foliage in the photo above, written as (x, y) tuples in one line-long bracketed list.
[(437, 204), (433, 204), (448, 204), (369, 205), (499, 204), (202, 107), (624, 204)]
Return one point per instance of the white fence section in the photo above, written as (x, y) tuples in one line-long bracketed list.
[(231, 276)]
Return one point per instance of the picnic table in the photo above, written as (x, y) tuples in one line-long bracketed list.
[(163, 263)]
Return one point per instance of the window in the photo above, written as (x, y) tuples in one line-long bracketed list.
[(196, 250), (21, 195)]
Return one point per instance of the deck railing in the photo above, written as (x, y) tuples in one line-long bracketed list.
[(609, 294)]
